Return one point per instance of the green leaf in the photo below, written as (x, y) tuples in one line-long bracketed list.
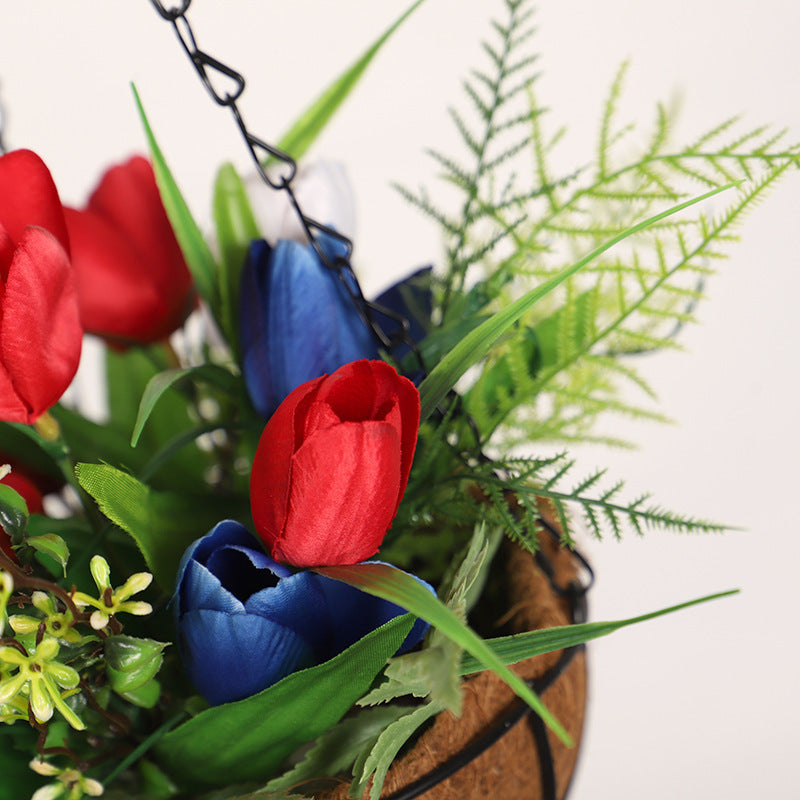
[(13, 513), (198, 256), (383, 580), (145, 696), (386, 747), (131, 662), (336, 750), (158, 384), (511, 649), (251, 738), (50, 544), (236, 228), (477, 343), (163, 524), (302, 134)]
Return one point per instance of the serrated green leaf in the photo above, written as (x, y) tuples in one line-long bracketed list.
[(385, 750), (13, 513), (158, 384), (305, 130), (52, 545), (198, 256), (236, 228), (476, 344), (336, 750), (383, 580), (163, 524), (261, 731)]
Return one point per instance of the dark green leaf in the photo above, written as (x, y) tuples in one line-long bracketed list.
[(131, 662), (49, 544), (13, 513), (251, 738)]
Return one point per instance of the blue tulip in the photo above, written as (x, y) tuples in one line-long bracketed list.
[(245, 621), (297, 319)]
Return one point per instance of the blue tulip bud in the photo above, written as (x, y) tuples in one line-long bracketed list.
[(244, 621)]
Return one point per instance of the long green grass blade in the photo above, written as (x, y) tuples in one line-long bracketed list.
[(305, 130)]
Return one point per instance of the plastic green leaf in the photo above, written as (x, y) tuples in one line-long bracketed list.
[(511, 649), (336, 750), (13, 513), (250, 738), (198, 256), (383, 580), (145, 696), (236, 228), (158, 384), (50, 544), (131, 662), (163, 524), (476, 344), (302, 134)]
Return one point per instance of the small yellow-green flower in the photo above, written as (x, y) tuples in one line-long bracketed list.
[(113, 601), (70, 784), (57, 624), (40, 678)]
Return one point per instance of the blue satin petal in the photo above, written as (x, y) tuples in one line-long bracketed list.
[(200, 588), (232, 657), (297, 319)]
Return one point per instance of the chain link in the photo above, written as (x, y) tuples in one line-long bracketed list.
[(226, 85)]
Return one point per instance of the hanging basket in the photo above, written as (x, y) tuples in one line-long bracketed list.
[(498, 747)]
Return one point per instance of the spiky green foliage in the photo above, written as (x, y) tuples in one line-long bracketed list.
[(511, 227)]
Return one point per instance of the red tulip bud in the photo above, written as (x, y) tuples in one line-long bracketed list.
[(333, 463)]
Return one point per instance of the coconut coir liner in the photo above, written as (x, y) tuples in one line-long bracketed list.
[(510, 767)]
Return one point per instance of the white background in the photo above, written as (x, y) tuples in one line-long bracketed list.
[(700, 705)]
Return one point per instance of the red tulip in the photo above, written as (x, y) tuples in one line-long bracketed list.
[(40, 330), (333, 463), (133, 283)]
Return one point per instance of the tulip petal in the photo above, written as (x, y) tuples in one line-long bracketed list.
[(345, 485), (297, 319), (28, 196), (40, 332), (230, 657), (133, 282), (201, 589)]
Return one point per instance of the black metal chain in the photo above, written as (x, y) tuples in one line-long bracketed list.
[(226, 86)]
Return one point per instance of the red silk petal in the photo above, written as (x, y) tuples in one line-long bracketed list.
[(133, 281), (28, 196), (271, 474), (115, 299), (40, 333), (345, 482)]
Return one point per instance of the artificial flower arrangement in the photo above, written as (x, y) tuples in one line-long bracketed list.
[(206, 614)]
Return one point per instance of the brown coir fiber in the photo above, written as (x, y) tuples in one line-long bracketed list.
[(510, 767)]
